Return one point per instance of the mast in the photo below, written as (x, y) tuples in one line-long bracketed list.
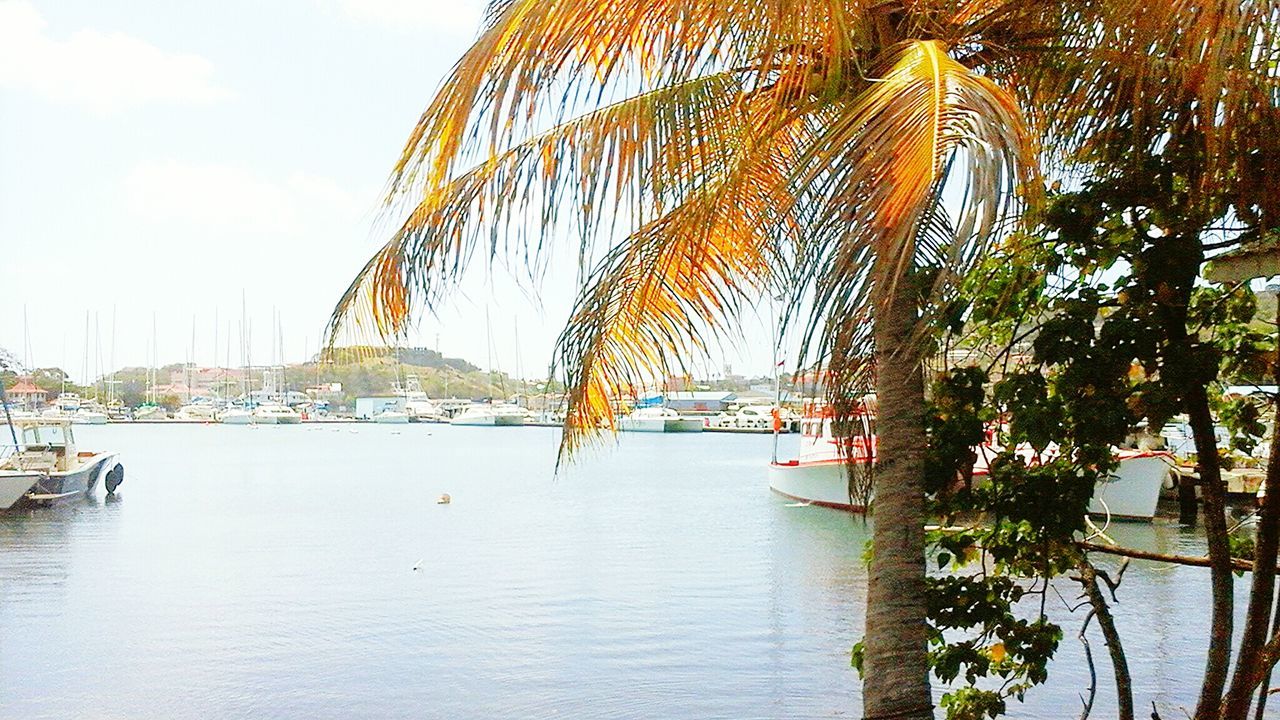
[(488, 353), (191, 358), (4, 400), (776, 420)]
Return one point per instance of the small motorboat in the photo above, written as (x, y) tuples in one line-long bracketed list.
[(47, 451)]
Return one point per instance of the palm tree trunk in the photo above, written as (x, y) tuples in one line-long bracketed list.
[(895, 663)]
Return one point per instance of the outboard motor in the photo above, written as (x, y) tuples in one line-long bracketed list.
[(115, 476)]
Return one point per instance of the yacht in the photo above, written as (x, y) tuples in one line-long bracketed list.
[(150, 413), (47, 449), (391, 416), (491, 415), (659, 419), (275, 414), (197, 412), (236, 416)]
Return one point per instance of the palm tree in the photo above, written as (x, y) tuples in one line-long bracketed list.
[(704, 152)]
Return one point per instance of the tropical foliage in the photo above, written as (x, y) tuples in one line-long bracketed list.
[(853, 157)]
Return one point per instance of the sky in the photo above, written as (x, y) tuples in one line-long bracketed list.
[(167, 163)]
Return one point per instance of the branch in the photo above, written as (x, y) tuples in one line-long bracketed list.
[(1236, 563), (1093, 673), (1088, 578)]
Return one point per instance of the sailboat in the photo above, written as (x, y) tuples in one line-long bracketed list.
[(150, 410), (490, 413)]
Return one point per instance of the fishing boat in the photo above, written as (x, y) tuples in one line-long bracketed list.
[(47, 448), (820, 476), (418, 405), (658, 419)]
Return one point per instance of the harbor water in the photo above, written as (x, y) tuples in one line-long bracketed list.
[(308, 572)]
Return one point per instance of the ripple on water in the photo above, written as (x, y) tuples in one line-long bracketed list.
[(268, 573)]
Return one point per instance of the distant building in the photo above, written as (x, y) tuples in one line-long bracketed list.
[(367, 407), (712, 401), (26, 395)]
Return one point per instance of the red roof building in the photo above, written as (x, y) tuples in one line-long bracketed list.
[(25, 394)]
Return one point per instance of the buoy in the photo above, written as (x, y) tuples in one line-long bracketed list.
[(444, 499)]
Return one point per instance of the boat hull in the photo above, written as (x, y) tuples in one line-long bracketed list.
[(509, 420), (59, 486), (1133, 489), (236, 418), (1130, 493), (660, 425), (391, 419), (814, 483), (14, 485)]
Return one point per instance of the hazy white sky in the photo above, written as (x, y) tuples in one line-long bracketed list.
[(162, 158)]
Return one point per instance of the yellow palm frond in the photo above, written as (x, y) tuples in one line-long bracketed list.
[(878, 173), (679, 281), (537, 55), (641, 154)]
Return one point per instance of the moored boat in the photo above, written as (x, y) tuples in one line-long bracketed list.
[(47, 449), (236, 416), (820, 475), (150, 413), (659, 419), (274, 414), (486, 414), (391, 416), (14, 484)]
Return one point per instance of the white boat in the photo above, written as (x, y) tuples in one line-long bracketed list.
[(86, 416), (274, 414), (14, 484), (235, 416), (150, 413), (197, 412), (47, 448), (391, 416), (418, 405), (658, 419), (819, 476), (490, 415)]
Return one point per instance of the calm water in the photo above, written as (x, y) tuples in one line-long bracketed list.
[(268, 573)]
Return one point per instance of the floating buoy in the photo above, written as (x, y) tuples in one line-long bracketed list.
[(444, 499)]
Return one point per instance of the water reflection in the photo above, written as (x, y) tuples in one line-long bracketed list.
[(269, 573)]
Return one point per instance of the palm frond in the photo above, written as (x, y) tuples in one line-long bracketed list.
[(659, 298), (641, 154), (882, 167), (537, 56)]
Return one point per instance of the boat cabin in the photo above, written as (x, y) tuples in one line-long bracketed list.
[(45, 444)]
